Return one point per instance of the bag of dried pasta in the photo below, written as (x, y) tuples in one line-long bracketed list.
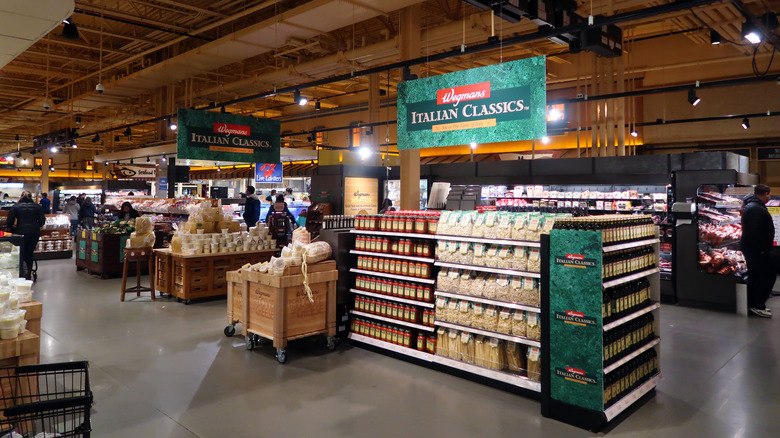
[(454, 344), (491, 258), (534, 260), (534, 228), (515, 358), (443, 227), (491, 318), (530, 293), (480, 254), (504, 257), (478, 230), (465, 285), (534, 363), (479, 351), (549, 223), (464, 313), (519, 325), (442, 342), (478, 284), (465, 254), (441, 251), (496, 354), (533, 329), (505, 225), (491, 225), (519, 226), (442, 309), (478, 315), (452, 255), (467, 346), (502, 288), (520, 259), (465, 223), (505, 321), (452, 311), (491, 287)]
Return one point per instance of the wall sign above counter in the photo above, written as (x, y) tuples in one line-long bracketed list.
[(502, 102)]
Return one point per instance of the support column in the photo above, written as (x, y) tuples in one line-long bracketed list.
[(373, 115), (409, 30), (44, 170), (621, 109)]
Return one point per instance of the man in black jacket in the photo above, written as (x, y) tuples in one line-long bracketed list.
[(251, 207), (758, 233), (26, 218)]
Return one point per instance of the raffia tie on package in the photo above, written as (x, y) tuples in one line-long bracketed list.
[(313, 253)]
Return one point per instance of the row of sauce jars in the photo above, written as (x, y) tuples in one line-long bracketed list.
[(420, 248), (383, 332), (421, 222), (394, 266), (426, 343), (400, 289)]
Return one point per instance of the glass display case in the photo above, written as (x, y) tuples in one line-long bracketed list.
[(720, 228), (393, 192)]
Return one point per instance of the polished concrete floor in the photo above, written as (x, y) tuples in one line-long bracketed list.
[(164, 369)]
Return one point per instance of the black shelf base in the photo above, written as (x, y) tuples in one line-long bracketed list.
[(587, 419)]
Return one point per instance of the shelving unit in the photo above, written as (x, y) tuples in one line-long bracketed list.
[(393, 320), (392, 256), (393, 276), (492, 334), (507, 304), (575, 376), (499, 376), (508, 242), (394, 234), (393, 298), (488, 269), (421, 355)]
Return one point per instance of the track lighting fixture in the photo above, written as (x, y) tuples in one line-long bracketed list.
[(745, 123), (131, 161), (364, 152), (70, 31), (545, 139), (714, 37), (128, 132), (473, 145), (172, 125), (164, 158), (16, 138), (116, 138), (148, 160), (53, 149), (51, 169), (751, 32), (634, 133), (78, 119), (96, 138), (301, 100), (317, 105), (693, 99), (73, 144)]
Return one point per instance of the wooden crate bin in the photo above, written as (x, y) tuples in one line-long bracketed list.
[(277, 307)]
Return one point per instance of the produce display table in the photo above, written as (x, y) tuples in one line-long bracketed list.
[(188, 277), (278, 308)]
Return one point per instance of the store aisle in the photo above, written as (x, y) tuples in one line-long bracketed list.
[(164, 369)]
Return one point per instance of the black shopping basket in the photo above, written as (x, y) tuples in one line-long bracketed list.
[(54, 399)]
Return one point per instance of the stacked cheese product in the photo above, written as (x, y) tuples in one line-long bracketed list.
[(143, 235), (209, 231), (13, 292), (497, 224), (295, 254)]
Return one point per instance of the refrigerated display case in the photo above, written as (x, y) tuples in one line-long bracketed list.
[(719, 230)]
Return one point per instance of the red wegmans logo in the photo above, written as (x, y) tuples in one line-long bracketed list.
[(463, 93), (575, 256), (573, 313), (575, 371), (224, 128)]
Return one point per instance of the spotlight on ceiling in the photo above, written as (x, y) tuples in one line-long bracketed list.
[(24, 160), (51, 169), (317, 105), (301, 100), (116, 138), (70, 31), (53, 149), (172, 125), (74, 145), (16, 138), (78, 119), (128, 132), (164, 158), (693, 99), (745, 123), (96, 138), (715, 38), (364, 152), (473, 145), (634, 133), (751, 32), (545, 139)]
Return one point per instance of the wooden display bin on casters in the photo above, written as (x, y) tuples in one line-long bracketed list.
[(278, 308)]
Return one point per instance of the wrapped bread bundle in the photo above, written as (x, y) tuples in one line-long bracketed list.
[(505, 321), (533, 329)]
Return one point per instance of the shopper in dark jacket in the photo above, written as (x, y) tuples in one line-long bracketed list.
[(45, 203), (251, 207), (286, 210), (758, 233), (26, 218), (128, 212), (88, 213)]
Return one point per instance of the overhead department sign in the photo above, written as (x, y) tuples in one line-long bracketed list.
[(269, 172), (503, 102), (205, 135)]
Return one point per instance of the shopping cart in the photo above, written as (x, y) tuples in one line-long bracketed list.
[(52, 400)]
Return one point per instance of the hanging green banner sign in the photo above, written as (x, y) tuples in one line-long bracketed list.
[(502, 102), (576, 336), (205, 135)]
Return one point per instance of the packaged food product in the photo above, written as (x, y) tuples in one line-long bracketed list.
[(448, 280), (505, 321), (479, 351), (443, 226), (533, 330), (465, 223), (504, 257), (516, 358), (534, 260), (464, 313), (478, 284), (495, 355), (478, 230), (491, 256), (465, 253), (534, 228), (520, 260), (454, 344), (453, 314), (467, 346), (491, 225), (478, 315), (490, 317), (442, 342), (519, 323), (442, 310), (441, 250), (505, 224), (534, 363), (491, 287), (519, 226), (465, 285), (530, 292), (502, 288)]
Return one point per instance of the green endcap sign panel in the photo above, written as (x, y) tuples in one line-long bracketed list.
[(503, 102), (576, 338), (205, 135)]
